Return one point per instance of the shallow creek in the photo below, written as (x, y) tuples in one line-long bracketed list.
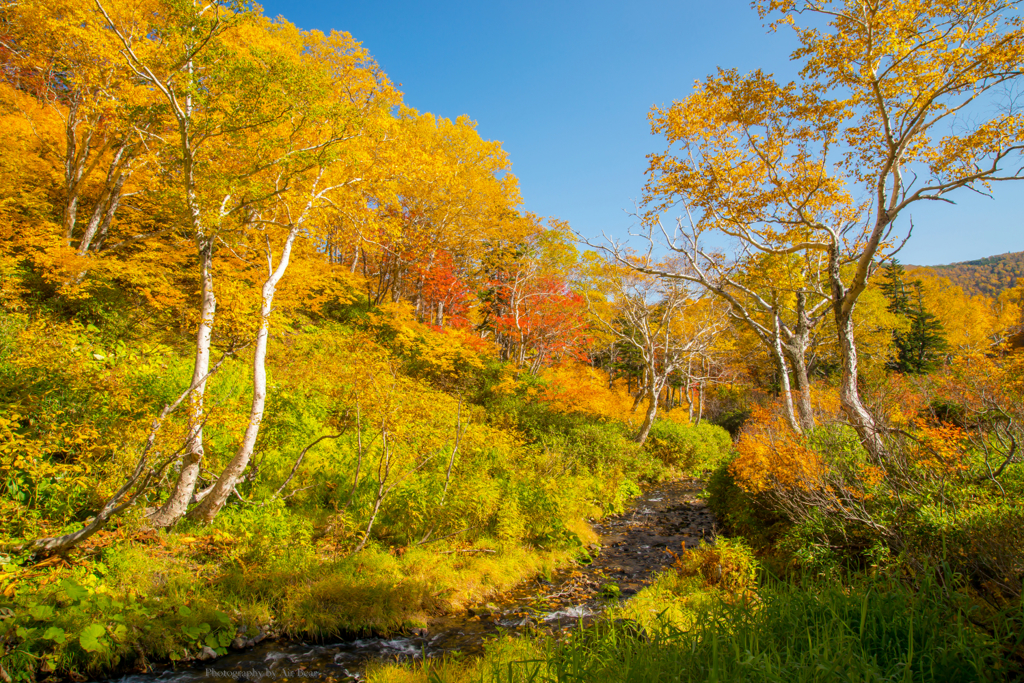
[(634, 547)]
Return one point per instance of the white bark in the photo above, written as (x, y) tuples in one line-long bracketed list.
[(218, 495), (176, 505)]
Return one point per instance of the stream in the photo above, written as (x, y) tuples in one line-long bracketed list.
[(633, 549)]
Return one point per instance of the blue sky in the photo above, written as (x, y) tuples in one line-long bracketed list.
[(567, 86)]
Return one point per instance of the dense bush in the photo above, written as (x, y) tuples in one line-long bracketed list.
[(692, 449)]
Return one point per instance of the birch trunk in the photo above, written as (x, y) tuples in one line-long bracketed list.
[(804, 404), (109, 199), (798, 357), (652, 412), (849, 394), (783, 369), (177, 504), (218, 495)]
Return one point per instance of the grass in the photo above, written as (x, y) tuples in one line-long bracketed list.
[(683, 629), (173, 593)]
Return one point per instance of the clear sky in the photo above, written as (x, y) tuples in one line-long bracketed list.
[(566, 86)]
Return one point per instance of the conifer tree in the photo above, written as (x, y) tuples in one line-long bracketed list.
[(918, 350)]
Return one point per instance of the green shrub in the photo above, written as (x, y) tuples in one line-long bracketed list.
[(728, 564), (692, 449)]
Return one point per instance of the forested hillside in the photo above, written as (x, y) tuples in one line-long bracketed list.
[(282, 357), (990, 276)]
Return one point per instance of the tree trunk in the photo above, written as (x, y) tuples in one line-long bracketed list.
[(652, 411), (783, 369), (798, 356), (74, 166), (849, 393), (177, 504), (804, 404), (109, 198), (218, 495)]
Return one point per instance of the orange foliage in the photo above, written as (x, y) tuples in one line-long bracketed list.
[(770, 454), (943, 448), (575, 387)]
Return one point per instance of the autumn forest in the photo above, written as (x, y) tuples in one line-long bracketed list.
[(287, 365)]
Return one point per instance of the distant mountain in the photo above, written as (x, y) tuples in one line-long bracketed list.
[(989, 276)]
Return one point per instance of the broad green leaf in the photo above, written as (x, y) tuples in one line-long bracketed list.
[(73, 590), (25, 633), (41, 612), (90, 638), (55, 634)]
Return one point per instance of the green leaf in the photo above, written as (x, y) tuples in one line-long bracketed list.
[(55, 634), (184, 611), (119, 632), (25, 633), (41, 612), (90, 638), (73, 590), (212, 642)]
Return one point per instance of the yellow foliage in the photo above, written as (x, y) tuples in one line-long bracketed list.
[(970, 322), (769, 454), (575, 387)]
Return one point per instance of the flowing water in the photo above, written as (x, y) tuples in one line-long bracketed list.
[(635, 546)]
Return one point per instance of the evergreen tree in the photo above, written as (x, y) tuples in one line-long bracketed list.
[(925, 342), (894, 289), (919, 349)]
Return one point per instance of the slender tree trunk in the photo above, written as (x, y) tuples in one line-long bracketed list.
[(798, 346), (689, 399), (359, 455), (355, 260), (218, 495), (108, 200), (74, 165), (652, 412), (177, 504), (383, 472), (783, 368), (804, 404), (849, 393)]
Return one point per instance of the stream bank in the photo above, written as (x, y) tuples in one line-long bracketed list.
[(634, 547)]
